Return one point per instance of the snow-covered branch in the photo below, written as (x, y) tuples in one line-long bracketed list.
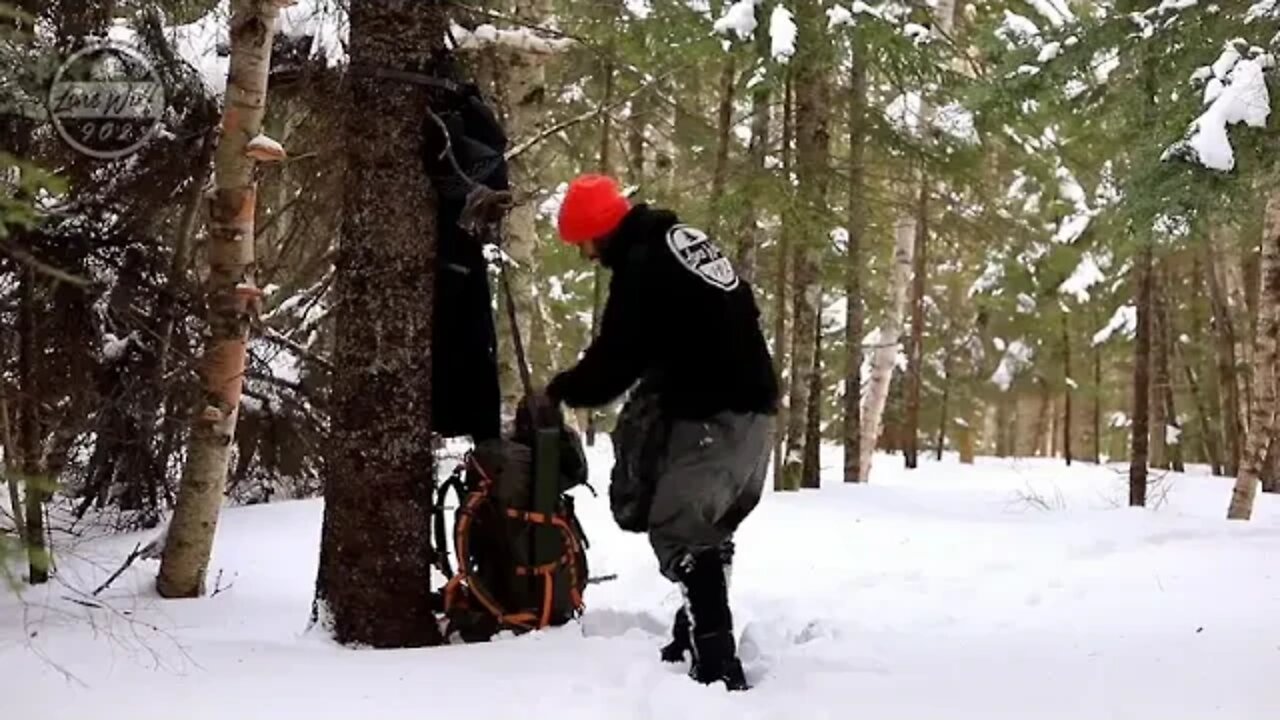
[(523, 40)]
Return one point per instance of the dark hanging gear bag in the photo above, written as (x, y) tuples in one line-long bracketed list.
[(519, 549), (519, 552), (466, 399)]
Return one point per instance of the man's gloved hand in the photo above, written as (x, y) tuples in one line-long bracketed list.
[(552, 390)]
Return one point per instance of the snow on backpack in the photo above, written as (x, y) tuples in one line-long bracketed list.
[(519, 549)]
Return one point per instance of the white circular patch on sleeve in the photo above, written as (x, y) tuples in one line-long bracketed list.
[(699, 255)]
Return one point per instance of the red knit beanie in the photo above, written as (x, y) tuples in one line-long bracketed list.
[(593, 208)]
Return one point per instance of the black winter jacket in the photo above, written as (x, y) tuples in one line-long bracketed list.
[(679, 319)]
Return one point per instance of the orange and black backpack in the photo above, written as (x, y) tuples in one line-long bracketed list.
[(519, 550)]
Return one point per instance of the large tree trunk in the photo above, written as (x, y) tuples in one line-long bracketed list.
[(232, 298), (1042, 438), (1208, 438), (1203, 394), (30, 429), (908, 234), (813, 419), (9, 470), (857, 224), (886, 347), (750, 235), (783, 293), (1159, 374), (1230, 269), (1225, 344), (1097, 403), (373, 585), (724, 133), (1265, 356), (915, 351), (1141, 383), (944, 408), (812, 92), (1165, 339), (1069, 389), (944, 14)]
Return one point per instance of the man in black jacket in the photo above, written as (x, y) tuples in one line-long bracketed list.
[(682, 324)]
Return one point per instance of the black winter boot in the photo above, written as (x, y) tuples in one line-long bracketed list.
[(703, 577), (681, 640)]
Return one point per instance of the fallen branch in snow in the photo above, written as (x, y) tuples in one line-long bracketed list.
[(218, 587), (1030, 497), (137, 553)]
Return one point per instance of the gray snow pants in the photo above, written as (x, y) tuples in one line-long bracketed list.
[(709, 479)]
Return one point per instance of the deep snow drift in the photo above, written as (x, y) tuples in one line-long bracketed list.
[(1013, 589)]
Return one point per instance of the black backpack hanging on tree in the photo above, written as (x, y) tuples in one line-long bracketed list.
[(519, 549)]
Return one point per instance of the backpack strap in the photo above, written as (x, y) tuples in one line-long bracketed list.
[(463, 585), (440, 536)]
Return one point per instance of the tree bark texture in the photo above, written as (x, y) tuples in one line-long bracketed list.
[(1068, 389), (907, 230), (1165, 398), (1042, 438), (944, 16), (886, 350), (782, 297), (724, 130), (29, 431), (1225, 345), (1141, 383), (812, 148), (373, 585), (813, 419), (751, 236), (1097, 404), (232, 297), (1230, 267), (915, 352), (1159, 375), (9, 471), (857, 227), (945, 407), (1265, 356)]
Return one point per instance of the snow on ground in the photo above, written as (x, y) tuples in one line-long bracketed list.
[(1012, 589)]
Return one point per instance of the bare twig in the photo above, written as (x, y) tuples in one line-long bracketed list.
[(218, 587), (44, 268), (447, 150), (137, 553), (275, 336), (595, 112)]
